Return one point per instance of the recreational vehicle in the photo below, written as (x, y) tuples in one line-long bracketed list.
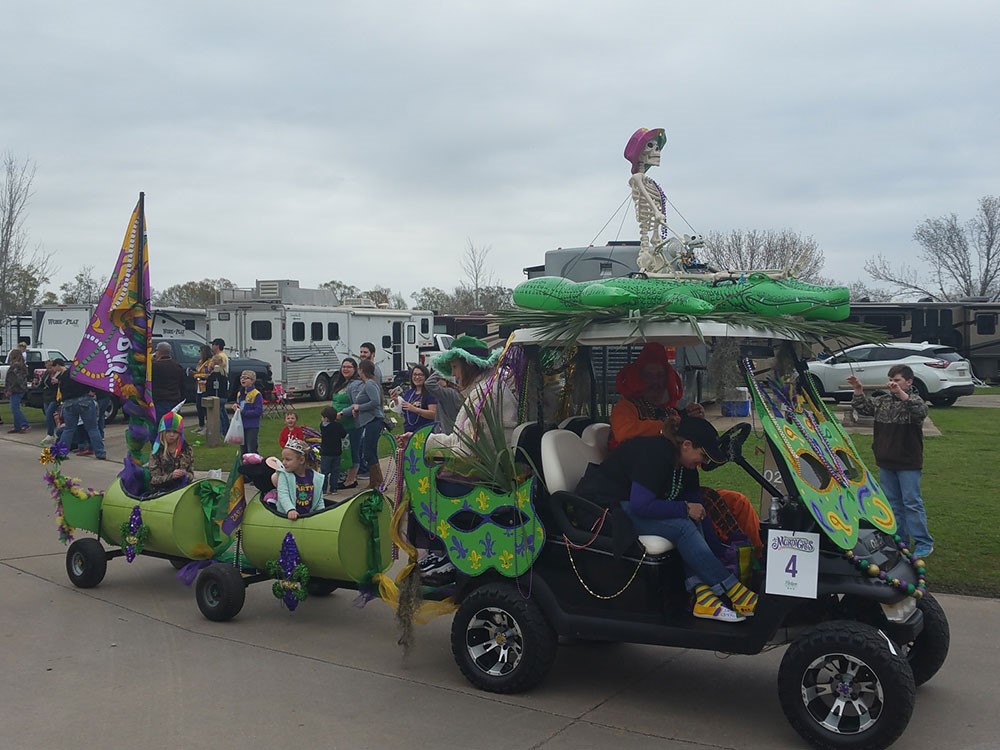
[(305, 343), (969, 326), (62, 326)]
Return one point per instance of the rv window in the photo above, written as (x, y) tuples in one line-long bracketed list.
[(298, 331), (986, 324), (260, 330), (891, 324), (188, 324), (223, 316), (333, 331), (411, 335), (425, 325), (387, 342), (315, 331)]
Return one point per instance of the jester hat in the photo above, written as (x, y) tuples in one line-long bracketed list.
[(170, 421), (472, 350), (629, 380)]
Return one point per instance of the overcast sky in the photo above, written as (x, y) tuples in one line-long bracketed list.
[(368, 142)]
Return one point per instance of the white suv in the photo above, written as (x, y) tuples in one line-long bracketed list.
[(940, 373)]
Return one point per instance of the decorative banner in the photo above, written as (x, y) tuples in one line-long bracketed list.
[(236, 492)]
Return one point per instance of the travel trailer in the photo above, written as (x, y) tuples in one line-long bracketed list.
[(305, 339), (62, 326)]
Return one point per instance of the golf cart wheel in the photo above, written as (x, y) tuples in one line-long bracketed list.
[(841, 686), (501, 641), (220, 592), (927, 653), (86, 563), (319, 587)]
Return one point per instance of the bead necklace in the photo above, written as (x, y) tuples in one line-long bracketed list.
[(915, 590), (675, 484)]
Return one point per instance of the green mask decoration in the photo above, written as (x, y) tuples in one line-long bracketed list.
[(828, 473), (483, 529)]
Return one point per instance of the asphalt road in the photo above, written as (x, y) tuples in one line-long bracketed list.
[(133, 664)]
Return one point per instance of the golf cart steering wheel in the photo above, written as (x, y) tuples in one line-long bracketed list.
[(731, 441)]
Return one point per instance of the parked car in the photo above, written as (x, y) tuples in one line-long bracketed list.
[(940, 373), (186, 352)]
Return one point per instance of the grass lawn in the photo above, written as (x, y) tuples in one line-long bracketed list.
[(961, 490)]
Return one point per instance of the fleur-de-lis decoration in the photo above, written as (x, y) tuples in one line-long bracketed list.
[(522, 498), (417, 441), (483, 500), (506, 559), (475, 560), (442, 529), (428, 511), (458, 548), (424, 485), (488, 544), (412, 465)]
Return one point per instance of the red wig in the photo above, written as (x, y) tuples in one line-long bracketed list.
[(631, 384)]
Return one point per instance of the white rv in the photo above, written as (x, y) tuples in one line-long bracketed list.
[(305, 343), (62, 326)]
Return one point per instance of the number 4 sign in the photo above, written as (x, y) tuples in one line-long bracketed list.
[(792, 563)]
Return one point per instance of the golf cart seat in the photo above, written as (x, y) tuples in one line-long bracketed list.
[(596, 435), (565, 457), (527, 442), (575, 424)]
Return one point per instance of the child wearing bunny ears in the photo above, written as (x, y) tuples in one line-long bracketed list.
[(171, 465)]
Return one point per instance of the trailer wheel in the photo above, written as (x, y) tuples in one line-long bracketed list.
[(220, 592), (321, 392), (86, 563)]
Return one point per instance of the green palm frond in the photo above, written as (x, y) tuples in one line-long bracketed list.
[(487, 457)]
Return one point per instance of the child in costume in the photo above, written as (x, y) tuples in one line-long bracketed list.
[(171, 465), (291, 429), (300, 488), (250, 404)]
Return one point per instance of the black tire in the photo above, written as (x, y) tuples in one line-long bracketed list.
[(220, 592), (319, 587), (930, 649), (322, 390), (86, 563), (848, 666), (818, 385), (111, 411), (944, 400), (921, 389), (502, 641)]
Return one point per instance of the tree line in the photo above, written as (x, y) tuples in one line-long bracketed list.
[(957, 259)]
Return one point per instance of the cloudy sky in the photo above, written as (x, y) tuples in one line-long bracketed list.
[(369, 142)]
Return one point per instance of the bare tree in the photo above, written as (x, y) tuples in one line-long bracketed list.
[(754, 249), (477, 273), (964, 259), (861, 292), (22, 272), (195, 294), (84, 289)]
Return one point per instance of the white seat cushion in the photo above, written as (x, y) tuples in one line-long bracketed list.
[(596, 435), (655, 545), (565, 458)]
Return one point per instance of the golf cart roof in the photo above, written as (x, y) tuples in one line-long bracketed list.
[(671, 333)]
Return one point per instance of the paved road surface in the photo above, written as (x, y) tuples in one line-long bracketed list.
[(132, 664)]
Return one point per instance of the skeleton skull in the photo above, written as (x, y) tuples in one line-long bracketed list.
[(650, 153)]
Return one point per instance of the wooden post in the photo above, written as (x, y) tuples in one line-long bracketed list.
[(212, 434)]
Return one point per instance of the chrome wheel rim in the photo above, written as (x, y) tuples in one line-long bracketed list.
[(842, 694), (212, 597), (78, 565), (494, 641)]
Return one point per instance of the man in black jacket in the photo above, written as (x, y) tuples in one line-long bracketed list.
[(168, 380)]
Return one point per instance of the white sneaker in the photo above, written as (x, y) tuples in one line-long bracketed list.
[(47, 440)]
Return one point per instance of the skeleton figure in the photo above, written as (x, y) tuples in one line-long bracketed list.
[(643, 151)]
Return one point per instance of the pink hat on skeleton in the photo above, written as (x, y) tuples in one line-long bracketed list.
[(638, 142)]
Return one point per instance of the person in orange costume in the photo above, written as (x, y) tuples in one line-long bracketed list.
[(651, 390)]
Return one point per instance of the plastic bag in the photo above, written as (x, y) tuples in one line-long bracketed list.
[(215, 473), (234, 435)]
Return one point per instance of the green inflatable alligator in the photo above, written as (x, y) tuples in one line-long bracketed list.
[(756, 294)]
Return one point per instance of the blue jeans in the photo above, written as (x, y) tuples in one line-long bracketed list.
[(700, 563), (20, 421), (902, 490), (85, 408), (369, 442), (223, 417), (250, 435), (50, 410), (329, 467), (355, 437)]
